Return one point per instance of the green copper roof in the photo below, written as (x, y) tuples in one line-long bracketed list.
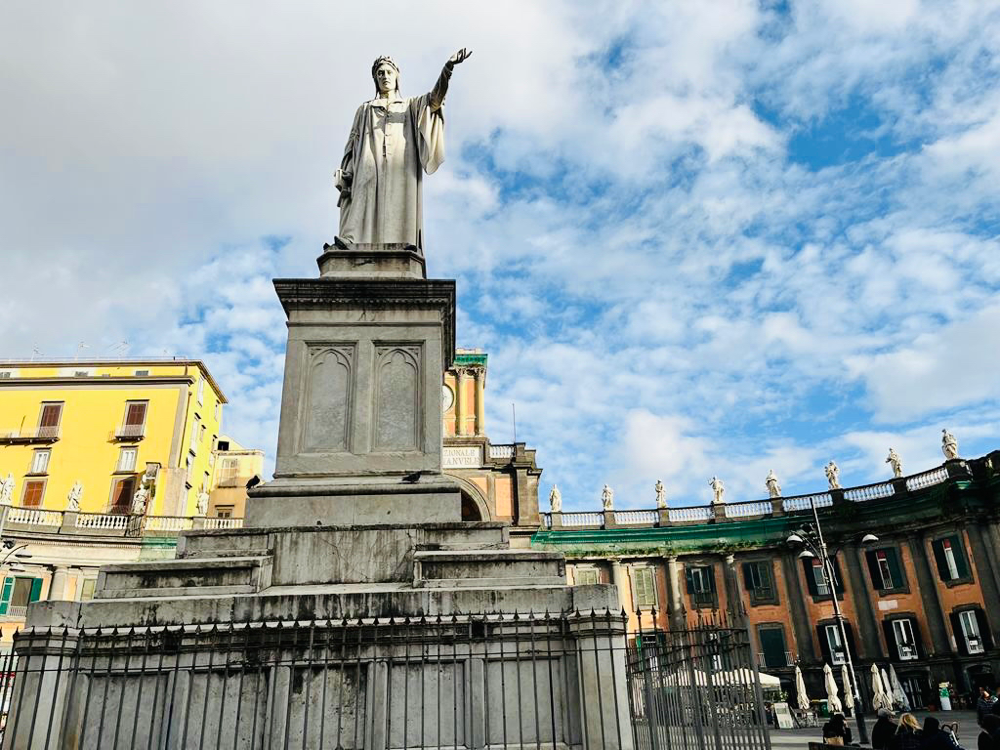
[(470, 359)]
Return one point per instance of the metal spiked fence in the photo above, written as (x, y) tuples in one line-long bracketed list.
[(500, 680)]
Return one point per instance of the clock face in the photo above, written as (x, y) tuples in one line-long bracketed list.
[(447, 398)]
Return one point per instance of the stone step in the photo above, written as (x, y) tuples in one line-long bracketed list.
[(198, 577), (485, 568), (255, 542)]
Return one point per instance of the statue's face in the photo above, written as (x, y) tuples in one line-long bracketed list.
[(385, 78)]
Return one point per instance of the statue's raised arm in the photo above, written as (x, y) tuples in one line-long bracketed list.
[(393, 142)]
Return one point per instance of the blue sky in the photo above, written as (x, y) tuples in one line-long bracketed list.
[(696, 238)]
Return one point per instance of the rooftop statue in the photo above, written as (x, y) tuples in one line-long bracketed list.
[(833, 475), (7, 490), (608, 498), (393, 141), (661, 495), (949, 445), (771, 482), (718, 489), (555, 499), (896, 462), (139, 500), (75, 496)]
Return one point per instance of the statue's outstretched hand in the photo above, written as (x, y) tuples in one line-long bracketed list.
[(459, 57)]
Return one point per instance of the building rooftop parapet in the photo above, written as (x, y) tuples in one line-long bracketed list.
[(896, 489), (69, 523)]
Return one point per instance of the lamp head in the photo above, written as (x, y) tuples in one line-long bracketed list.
[(869, 539), (806, 554), (794, 538)]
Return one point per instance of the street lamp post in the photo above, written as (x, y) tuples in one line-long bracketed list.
[(817, 545)]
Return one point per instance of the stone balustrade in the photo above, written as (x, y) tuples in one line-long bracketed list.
[(64, 522), (794, 504)]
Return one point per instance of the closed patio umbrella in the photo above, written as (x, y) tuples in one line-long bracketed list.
[(848, 681), (880, 697), (898, 694), (832, 700), (801, 699)]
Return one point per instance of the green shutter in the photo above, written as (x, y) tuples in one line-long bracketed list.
[(895, 569), (711, 578), (772, 645), (8, 589), (961, 562), (807, 567), (748, 577), (942, 565), (689, 580), (36, 590)]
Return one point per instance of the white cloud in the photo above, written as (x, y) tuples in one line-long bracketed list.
[(663, 285)]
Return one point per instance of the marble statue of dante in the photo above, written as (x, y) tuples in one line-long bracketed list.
[(608, 498), (718, 489), (661, 495), (393, 141), (949, 445), (7, 490), (771, 482), (896, 462), (555, 499), (833, 475), (75, 496)]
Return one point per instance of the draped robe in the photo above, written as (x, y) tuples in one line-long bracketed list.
[(393, 141)]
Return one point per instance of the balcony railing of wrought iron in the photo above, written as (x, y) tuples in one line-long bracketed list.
[(129, 432), (30, 435)]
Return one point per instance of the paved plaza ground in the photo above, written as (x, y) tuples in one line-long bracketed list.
[(795, 739)]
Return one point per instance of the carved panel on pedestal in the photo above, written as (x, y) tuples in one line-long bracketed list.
[(326, 419), (397, 398)]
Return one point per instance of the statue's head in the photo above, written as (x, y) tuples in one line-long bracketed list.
[(385, 73)]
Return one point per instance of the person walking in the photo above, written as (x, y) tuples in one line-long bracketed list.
[(933, 737), (907, 736), (836, 731), (989, 738), (984, 704), (883, 730)]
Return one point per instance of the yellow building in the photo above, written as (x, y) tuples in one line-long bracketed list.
[(111, 427), (234, 467)]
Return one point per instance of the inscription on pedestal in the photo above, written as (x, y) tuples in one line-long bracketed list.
[(398, 415), (463, 457), (328, 403)]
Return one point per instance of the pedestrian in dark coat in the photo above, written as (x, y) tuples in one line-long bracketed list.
[(933, 737), (883, 730)]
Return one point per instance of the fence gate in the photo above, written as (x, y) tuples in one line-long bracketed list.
[(695, 689)]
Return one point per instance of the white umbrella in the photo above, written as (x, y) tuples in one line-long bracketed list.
[(880, 698), (898, 694), (831, 690), (801, 699), (848, 681)]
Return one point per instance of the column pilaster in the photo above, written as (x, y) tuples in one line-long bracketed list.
[(480, 375)]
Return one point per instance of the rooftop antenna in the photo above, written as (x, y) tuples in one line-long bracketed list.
[(121, 347), (35, 352), (79, 348), (513, 417)]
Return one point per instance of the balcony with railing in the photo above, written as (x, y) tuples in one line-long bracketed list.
[(129, 432), (29, 435)]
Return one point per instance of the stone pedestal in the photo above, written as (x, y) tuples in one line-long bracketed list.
[(354, 578)]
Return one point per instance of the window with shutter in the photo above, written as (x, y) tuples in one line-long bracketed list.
[(772, 646), (906, 644), (49, 419), (40, 461), (834, 644), (970, 631), (127, 458), (759, 582), (5, 594), (135, 419), (121, 495), (34, 491), (644, 584), (701, 585), (952, 563)]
